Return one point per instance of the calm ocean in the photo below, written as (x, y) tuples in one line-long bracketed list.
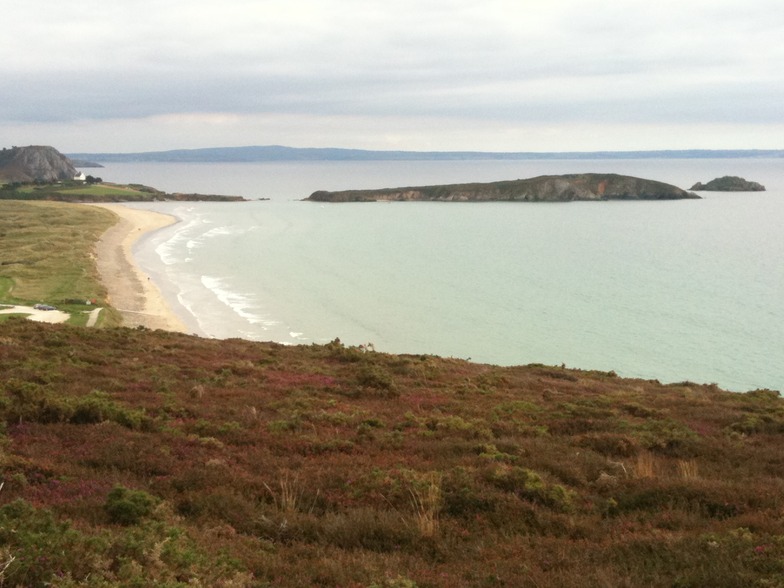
[(682, 290)]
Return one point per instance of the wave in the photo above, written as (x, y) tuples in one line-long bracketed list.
[(169, 250), (223, 231), (243, 305)]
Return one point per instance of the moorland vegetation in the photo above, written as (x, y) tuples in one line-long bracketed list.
[(134, 458)]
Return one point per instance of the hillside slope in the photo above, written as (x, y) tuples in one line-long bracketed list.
[(148, 458)]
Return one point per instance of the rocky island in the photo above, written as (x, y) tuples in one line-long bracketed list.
[(729, 184), (561, 188)]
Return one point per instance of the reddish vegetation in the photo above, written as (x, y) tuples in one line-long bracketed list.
[(135, 458)]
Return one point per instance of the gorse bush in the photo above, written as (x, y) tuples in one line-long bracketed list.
[(41, 546), (46, 552), (22, 401), (128, 507), (529, 485)]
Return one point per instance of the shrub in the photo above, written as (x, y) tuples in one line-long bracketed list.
[(528, 485), (669, 437), (462, 496), (752, 424), (610, 444), (32, 402), (128, 507), (372, 376), (98, 407), (42, 547)]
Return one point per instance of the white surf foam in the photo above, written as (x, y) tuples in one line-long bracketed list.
[(244, 305)]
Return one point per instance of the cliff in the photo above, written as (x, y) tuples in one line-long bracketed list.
[(729, 184), (563, 188), (35, 163)]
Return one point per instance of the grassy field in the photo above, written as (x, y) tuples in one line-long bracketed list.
[(79, 191), (147, 458), (47, 254)]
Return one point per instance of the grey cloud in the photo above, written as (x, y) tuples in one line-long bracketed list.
[(562, 61)]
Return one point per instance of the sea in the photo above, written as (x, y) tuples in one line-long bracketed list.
[(687, 290)]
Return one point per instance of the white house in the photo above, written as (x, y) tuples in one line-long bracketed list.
[(80, 177)]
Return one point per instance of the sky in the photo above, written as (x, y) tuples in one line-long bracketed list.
[(449, 75)]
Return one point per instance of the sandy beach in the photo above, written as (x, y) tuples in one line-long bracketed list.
[(130, 290)]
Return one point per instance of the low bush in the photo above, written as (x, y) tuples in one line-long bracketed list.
[(128, 507), (529, 485)]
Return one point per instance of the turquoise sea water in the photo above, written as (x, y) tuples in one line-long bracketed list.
[(682, 290)]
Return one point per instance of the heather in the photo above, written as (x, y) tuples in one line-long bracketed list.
[(135, 457)]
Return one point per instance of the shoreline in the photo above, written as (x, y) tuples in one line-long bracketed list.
[(129, 290)]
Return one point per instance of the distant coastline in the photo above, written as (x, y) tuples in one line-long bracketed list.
[(282, 153)]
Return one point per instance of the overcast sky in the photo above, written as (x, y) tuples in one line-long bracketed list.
[(496, 75)]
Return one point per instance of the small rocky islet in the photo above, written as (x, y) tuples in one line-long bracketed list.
[(729, 184)]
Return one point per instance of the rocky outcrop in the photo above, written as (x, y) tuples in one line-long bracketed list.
[(563, 188), (35, 164), (729, 184)]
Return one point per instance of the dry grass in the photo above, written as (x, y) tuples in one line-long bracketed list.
[(646, 466), (288, 496), (426, 501), (688, 469)]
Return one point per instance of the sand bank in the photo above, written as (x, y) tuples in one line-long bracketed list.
[(130, 290)]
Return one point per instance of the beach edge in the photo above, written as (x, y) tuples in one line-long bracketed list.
[(130, 290)]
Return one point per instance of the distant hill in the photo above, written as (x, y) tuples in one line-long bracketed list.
[(35, 163), (563, 188), (281, 153)]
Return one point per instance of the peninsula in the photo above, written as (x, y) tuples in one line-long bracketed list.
[(561, 188)]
